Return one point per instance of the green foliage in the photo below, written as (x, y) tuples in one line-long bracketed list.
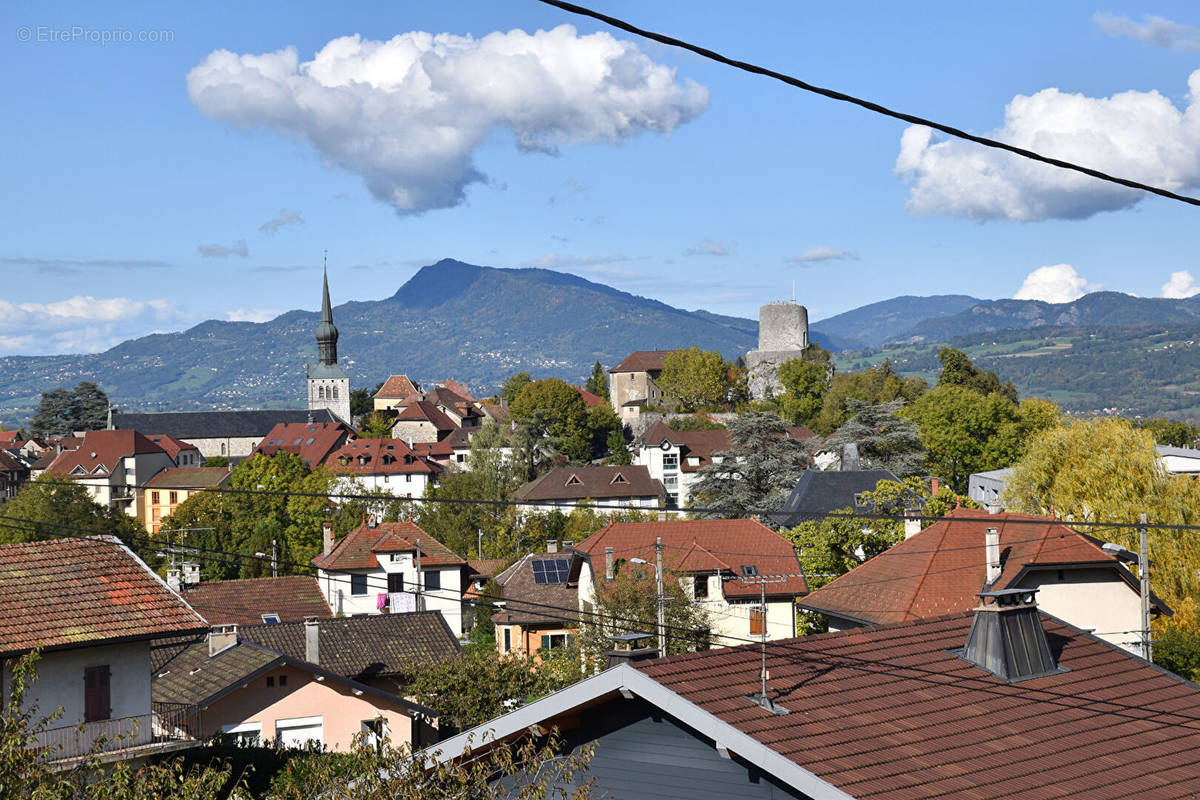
[(694, 379), (885, 439), (694, 422), (872, 386), (597, 382), (513, 386), (53, 505), (376, 425), (617, 447), (1171, 432), (216, 461), (362, 400), (553, 409), (62, 412), (805, 384), (1178, 649), (957, 370), (760, 468)]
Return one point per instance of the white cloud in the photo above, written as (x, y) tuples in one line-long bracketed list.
[(707, 247), (238, 248), (1058, 283), (560, 261), (1138, 135), (80, 324), (820, 253), (282, 219), (1157, 31), (408, 114), (1180, 285), (251, 315)]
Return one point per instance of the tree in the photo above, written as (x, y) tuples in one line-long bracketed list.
[(597, 382), (513, 386), (694, 379), (53, 505), (874, 385), (761, 466), (62, 412), (603, 425), (885, 439), (376, 425), (362, 400), (618, 448), (804, 386), (1171, 432), (957, 370), (563, 415)]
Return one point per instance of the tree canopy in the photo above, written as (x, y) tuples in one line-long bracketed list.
[(63, 412), (957, 370), (884, 438), (53, 505), (761, 466), (597, 382), (872, 386), (694, 379), (554, 409)]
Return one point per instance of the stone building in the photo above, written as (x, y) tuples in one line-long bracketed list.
[(328, 383), (782, 335)]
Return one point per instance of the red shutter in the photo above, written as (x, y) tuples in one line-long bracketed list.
[(758, 616), (96, 696)]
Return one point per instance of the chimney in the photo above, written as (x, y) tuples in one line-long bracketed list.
[(991, 540), (372, 521), (327, 537), (312, 640), (220, 638), (934, 485), (624, 651), (850, 459), (1007, 638), (608, 563), (191, 573), (912, 522), (552, 545)]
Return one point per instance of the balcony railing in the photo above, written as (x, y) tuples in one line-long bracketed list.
[(167, 723)]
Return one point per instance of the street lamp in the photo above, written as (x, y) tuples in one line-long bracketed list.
[(658, 579)]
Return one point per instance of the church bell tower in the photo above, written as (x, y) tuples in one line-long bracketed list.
[(328, 383)]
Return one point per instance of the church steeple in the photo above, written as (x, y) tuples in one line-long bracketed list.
[(327, 333)]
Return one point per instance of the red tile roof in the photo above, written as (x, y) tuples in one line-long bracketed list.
[(397, 387), (99, 453), (703, 546), (357, 549), (941, 569), (188, 478), (172, 445), (9, 437), (243, 602), (591, 482), (312, 441), (425, 411), (590, 400), (703, 444), (378, 456), (459, 390), (63, 593), (890, 712), (643, 361)]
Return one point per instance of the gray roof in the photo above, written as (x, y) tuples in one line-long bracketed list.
[(1181, 452), (190, 425), (319, 370), (817, 493), (1000, 474)]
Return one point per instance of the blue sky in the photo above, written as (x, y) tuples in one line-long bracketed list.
[(154, 184)]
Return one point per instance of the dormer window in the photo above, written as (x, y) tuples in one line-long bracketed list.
[(618, 478), (574, 481)]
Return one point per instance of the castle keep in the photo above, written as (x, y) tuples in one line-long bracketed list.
[(782, 335)]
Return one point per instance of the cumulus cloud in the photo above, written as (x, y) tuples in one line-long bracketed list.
[(1138, 135), (1057, 283), (820, 253), (707, 247), (408, 114), (1180, 285), (251, 315), (80, 324), (281, 220), (238, 248), (1157, 31)]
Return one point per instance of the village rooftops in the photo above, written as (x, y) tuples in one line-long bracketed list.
[(425, 411), (188, 478), (643, 361), (591, 482), (313, 442), (378, 456), (359, 548), (535, 590), (819, 493), (397, 387), (170, 444), (64, 593), (737, 548), (100, 452), (188, 425), (943, 568), (291, 598)]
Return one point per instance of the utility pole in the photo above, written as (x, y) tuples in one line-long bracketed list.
[(274, 559), (481, 544), (1144, 580), (420, 583), (658, 577)]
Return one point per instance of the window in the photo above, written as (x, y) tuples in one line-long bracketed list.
[(556, 641), (670, 461), (154, 497), (271, 681), (461, 458), (758, 619), (96, 697), (283, 680), (507, 640), (222, 448), (358, 584), (433, 581), (173, 498), (248, 734), (749, 571), (395, 582), (270, 619), (408, 477), (335, 394), (700, 587), (320, 392)]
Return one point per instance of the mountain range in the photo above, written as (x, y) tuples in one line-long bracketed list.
[(481, 324)]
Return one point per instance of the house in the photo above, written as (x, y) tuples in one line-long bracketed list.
[(313, 442), (160, 495), (987, 488), (13, 474), (92, 608), (181, 452), (724, 565), (602, 486), (230, 434), (907, 711), (257, 601), (531, 619), (256, 695), (455, 403), (821, 492), (943, 568), (422, 421), (1179, 460), (110, 464), (632, 384), (383, 466), (395, 390), (394, 566)]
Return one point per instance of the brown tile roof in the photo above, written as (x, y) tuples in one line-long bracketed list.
[(459, 389), (526, 600), (374, 646), (188, 478), (63, 593), (643, 361), (357, 549), (590, 400), (312, 441), (425, 411), (591, 482), (703, 546), (450, 398), (9, 463), (397, 387), (496, 411), (889, 712), (488, 567), (100, 451), (692, 444), (941, 569), (9, 437), (170, 444), (378, 456), (243, 602)]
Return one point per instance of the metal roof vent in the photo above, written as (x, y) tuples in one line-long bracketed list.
[(1007, 638)]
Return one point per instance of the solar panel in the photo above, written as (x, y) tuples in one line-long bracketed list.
[(550, 570)]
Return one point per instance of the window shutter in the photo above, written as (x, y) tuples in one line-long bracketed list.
[(545, 641)]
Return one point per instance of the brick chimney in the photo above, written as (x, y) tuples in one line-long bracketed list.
[(991, 542), (327, 537), (1007, 638), (312, 640)]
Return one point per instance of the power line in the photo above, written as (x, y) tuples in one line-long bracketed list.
[(867, 104)]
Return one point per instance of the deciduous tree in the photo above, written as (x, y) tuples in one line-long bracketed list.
[(694, 379)]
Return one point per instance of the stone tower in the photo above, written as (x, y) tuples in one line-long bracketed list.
[(328, 383), (782, 335)]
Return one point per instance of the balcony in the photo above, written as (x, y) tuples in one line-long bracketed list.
[(169, 726)]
